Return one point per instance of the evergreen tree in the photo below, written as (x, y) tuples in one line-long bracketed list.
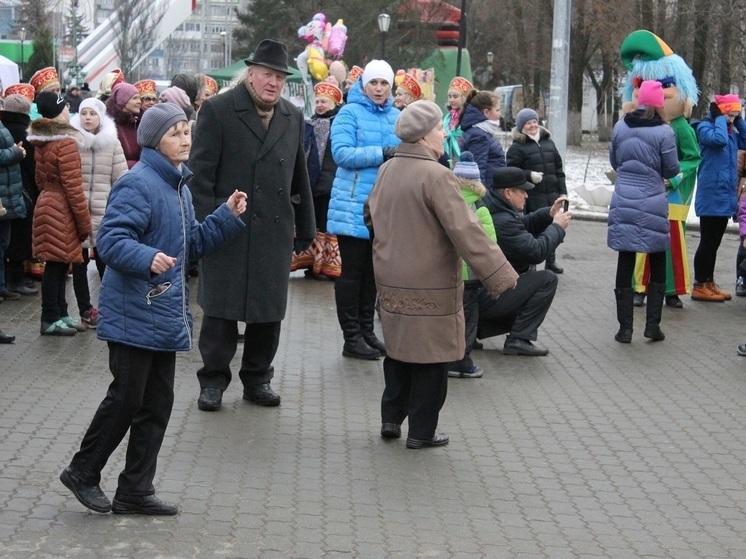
[(267, 19), (43, 54), (75, 29)]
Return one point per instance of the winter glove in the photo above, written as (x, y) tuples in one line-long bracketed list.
[(715, 110), (737, 119), (389, 152), (536, 177), (301, 245)]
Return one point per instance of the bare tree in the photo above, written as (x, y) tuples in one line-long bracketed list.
[(138, 22)]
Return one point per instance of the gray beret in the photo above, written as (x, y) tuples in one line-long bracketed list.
[(156, 121), (417, 120), (16, 103)]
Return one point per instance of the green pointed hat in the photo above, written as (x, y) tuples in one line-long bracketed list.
[(644, 45)]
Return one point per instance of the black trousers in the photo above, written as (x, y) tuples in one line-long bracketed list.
[(414, 390), (80, 284), (218, 339), (471, 323), (53, 302), (518, 311), (355, 288), (711, 234), (625, 268), (139, 399)]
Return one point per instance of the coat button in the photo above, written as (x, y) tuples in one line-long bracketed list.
[(279, 191), (277, 219), (282, 161), (256, 216), (258, 188)]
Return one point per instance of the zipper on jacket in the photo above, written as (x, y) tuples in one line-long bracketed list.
[(90, 186), (354, 184), (184, 314)]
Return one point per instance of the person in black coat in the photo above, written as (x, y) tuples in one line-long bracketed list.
[(15, 117), (533, 150), (525, 240), (250, 138)]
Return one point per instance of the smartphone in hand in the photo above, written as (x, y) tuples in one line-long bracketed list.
[(565, 205)]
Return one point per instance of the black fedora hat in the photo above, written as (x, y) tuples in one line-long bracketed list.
[(272, 54), (510, 177)]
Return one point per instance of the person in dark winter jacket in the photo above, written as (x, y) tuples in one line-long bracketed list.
[(533, 150), (480, 121), (525, 239), (15, 117), (720, 136), (148, 234), (643, 154), (12, 203), (322, 259)]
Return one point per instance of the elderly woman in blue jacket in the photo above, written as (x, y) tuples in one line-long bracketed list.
[(362, 139), (147, 236), (720, 136), (643, 154)]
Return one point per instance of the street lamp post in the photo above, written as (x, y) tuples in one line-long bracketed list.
[(384, 20), (23, 38), (225, 49), (490, 71)]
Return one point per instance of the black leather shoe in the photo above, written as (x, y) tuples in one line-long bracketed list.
[(517, 346), (6, 338), (390, 431), (375, 343), (358, 349), (210, 399), (674, 302), (261, 394), (142, 504), (638, 299), (554, 268), (90, 496), (440, 439)]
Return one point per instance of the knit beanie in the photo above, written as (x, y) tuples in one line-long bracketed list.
[(378, 69), (650, 94), (524, 115), (417, 120), (50, 104), (155, 123), (17, 103), (123, 92), (177, 96), (93, 104), (467, 168), (728, 103)]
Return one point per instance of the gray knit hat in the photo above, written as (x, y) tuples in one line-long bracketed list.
[(16, 103), (467, 167), (417, 120), (523, 116), (156, 121)]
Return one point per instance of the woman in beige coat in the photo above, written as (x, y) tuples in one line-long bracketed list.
[(102, 162), (420, 228)]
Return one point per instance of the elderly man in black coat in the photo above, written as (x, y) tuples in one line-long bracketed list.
[(251, 139), (525, 239)]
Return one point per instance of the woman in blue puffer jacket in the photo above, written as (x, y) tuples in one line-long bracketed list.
[(480, 121), (147, 236), (643, 154), (362, 139)]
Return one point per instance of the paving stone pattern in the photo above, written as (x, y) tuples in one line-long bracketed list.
[(599, 450)]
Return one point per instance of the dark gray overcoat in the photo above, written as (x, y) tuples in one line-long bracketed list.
[(247, 278)]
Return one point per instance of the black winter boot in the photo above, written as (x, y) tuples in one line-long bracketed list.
[(347, 297), (656, 295), (551, 264), (624, 313)]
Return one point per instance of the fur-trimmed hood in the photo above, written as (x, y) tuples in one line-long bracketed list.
[(523, 138), (104, 139), (43, 130), (473, 186)]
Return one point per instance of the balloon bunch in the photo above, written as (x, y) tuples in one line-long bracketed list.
[(324, 38)]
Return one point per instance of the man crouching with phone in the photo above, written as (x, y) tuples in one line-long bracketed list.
[(526, 240)]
